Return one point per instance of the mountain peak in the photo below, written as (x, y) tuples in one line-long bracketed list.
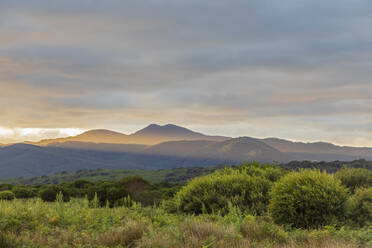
[(168, 129), (100, 132)]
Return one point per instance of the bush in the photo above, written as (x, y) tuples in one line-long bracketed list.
[(49, 194), (82, 184), (214, 193), (360, 207), (307, 199), (270, 172), (354, 178), (7, 195), (22, 192), (5, 186), (139, 190), (107, 192)]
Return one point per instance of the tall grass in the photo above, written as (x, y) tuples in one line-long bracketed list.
[(79, 223)]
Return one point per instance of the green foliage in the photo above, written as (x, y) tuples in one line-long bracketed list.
[(270, 172), (139, 190), (5, 186), (107, 192), (7, 195), (360, 207), (24, 192), (33, 223), (257, 229), (50, 193), (354, 178), (82, 184), (307, 199), (212, 193), (7, 241)]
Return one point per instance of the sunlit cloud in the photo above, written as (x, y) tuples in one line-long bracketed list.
[(35, 134)]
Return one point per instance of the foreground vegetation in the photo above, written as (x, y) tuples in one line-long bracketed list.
[(33, 223), (247, 206)]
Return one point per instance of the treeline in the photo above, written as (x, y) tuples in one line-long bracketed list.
[(331, 167), (176, 175), (111, 193)]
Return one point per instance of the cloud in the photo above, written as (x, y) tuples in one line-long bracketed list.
[(294, 69)]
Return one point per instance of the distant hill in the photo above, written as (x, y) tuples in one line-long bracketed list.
[(160, 147), (24, 160), (238, 150), (319, 150), (100, 146), (150, 135), (30, 160)]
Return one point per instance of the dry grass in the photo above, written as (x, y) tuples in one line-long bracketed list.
[(126, 236), (317, 244)]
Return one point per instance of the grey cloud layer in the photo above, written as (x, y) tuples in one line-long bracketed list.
[(304, 64)]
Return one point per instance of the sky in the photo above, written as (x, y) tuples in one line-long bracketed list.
[(294, 69)]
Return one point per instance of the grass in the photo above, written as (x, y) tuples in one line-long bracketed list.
[(33, 223)]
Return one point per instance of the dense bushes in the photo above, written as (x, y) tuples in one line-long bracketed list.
[(139, 190), (270, 172), (354, 178), (49, 194), (7, 195), (307, 199), (360, 207), (214, 193), (24, 192)]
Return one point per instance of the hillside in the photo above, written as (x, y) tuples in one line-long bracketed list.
[(318, 148), (150, 135)]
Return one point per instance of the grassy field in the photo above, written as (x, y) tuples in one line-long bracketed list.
[(78, 223)]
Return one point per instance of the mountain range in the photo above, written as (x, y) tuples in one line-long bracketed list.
[(150, 135), (158, 147)]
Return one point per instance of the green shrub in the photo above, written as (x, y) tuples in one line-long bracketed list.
[(307, 199), (5, 186), (360, 207), (214, 192), (268, 171), (50, 193), (107, 192), (23, 192), (139, 190), (7, 195), (81, 184), (354, 178)]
